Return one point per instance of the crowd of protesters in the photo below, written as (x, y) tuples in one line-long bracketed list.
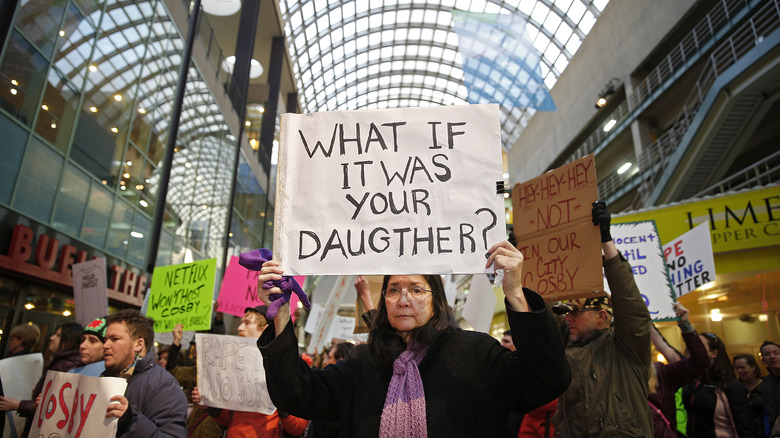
[(577, 368)]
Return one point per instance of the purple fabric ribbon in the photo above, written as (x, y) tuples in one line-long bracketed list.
[(253, 260)]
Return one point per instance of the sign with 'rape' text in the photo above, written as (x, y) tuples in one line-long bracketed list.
[(72, 405), (182, 294), (690, 261), (389, 191), (231, 374)]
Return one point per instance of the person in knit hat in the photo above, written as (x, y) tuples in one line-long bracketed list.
[(91, 349)]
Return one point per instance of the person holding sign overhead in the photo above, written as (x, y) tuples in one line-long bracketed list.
[(62, 354), (153, 403), (254, 424), (420, 374), (611, 362)]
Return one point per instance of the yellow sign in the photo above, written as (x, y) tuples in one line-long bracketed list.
[(745, 220)]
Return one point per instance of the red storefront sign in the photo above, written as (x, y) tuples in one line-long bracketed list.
[(39, 259)]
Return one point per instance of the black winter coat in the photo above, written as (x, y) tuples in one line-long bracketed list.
[(471, 382), (158, 407)]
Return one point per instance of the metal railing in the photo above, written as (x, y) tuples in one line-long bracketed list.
[(688, 50), (763, 172), (747, 36), (650, 157)]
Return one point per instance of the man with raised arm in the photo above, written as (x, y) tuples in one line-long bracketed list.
[(610, 361)]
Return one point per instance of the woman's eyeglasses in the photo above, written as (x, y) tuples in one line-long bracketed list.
[(415, 293)]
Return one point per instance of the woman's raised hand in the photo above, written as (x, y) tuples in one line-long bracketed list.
[(510, 259)]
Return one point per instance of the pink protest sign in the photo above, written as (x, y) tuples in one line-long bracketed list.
[(239, 290)]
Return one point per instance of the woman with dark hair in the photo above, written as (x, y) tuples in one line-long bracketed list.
[(62, 354), (420, 375), (749, 374), (717, 403)]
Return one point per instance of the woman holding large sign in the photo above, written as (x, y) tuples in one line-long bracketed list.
[(420, 374)]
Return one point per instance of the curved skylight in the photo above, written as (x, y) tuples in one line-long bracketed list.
[(355, 54)]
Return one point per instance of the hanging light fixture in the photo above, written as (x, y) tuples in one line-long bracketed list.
[(221, 8)]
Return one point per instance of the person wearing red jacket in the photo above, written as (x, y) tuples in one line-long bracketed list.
[(254, 424)]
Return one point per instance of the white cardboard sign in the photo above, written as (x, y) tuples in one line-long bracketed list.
[(89, 290), (19, 375), (690, 261), (392, 191), (73, 405), (640, 245), (231, 374)]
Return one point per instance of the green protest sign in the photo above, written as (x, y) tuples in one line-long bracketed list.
[(182, 294)]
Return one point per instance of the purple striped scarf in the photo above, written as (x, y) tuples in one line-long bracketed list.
[(404, 411)]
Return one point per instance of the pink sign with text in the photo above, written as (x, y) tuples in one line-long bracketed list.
[(239, 290)]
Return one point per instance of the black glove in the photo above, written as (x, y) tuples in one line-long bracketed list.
[(602, 218)]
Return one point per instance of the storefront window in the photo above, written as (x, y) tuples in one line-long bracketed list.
[(40, 22), (98, 211), (21, 79), (71, 201), (38, 180), (12, 150)]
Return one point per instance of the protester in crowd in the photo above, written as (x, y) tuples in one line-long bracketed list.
[(506, 340), (769, 388), (22, 339), (716, 403), (338, 352), (749, 375), (62, 354), (677, 373), (162, 355), (91, 349), (419, 374), (153, 404), (661, 426), (254, 424), (610, 364), (199, 423)]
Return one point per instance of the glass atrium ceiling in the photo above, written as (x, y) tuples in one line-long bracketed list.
[(355, 54)]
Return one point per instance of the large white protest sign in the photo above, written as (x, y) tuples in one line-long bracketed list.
[(73, 405), (231, 374), (19, 375), (690, 261), (89, 290), (389, 191), (640, 245)]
